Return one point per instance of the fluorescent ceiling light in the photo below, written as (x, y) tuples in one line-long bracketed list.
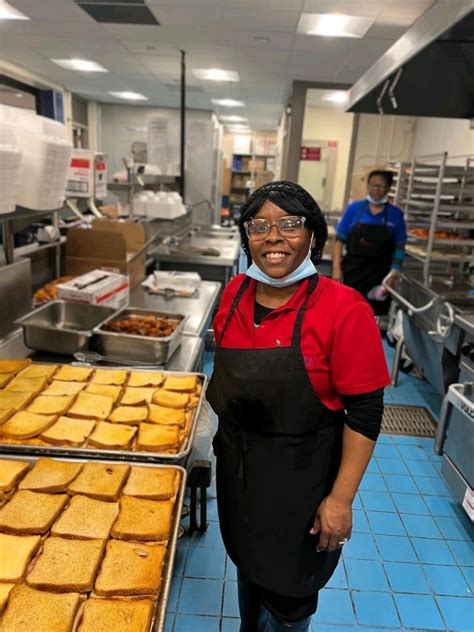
[(7, 12), (228, 103), (129, 96), (82, 65), (336, 96), (233, 119), (334, 25), (215, 74)]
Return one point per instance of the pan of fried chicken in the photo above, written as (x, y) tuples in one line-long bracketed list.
[(141, 334)]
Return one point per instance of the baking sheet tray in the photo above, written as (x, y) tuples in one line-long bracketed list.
[(159, 615), (121, 455)]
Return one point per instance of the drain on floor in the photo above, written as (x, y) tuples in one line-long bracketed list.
[(408, 420)]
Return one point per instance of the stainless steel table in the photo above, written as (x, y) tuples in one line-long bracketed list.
[(188, 356), (198, 308), (212, 268)]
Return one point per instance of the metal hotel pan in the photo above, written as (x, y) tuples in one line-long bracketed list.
[(131, 456), (159, 614), (141, 348)]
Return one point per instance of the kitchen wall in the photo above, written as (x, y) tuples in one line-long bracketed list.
[(121, 125), (435, 135), (383, 138), (323, 123)]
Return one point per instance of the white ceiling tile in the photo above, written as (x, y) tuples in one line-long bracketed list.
[(248, 39), (407, 11), (366, 8), (241, 19), (188, 16), (267, 5), (386, 28), (51, 10), (180, 36), (74, 29)]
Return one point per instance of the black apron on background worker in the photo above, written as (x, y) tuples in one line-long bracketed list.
[(278, 451), (368, 259)]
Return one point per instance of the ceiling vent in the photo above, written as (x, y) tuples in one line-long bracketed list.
[(118, 11)]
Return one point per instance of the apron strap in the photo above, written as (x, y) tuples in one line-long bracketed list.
[(295, 340), (235, 302)]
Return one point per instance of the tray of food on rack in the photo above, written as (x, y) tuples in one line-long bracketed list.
[(86, 545), (141, 334), (82, 411), (49, 292), (439, 235)]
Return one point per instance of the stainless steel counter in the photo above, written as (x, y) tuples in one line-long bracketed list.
[(198, 308), (188, 356)]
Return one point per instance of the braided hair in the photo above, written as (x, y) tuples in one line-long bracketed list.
[(292, 199)]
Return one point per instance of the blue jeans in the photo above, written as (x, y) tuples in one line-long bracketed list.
[(255, 617)]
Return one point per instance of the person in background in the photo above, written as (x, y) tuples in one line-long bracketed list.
[(373, 232), (298, 388)]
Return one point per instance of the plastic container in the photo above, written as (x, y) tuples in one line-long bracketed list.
[(10, 169)]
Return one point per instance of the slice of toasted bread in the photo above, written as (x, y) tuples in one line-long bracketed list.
[(13, 366), (110, 376), (170, 399), (49, 475), (154, 437), (31, 512), (24, 425), (12, 399), (31, 610), (66, 565), (103, 481), (146, 520), (15, 555), (5, 378), (10, 473), (181, 383), (5, 413), (166, 416), (104, 389), (4, 592), (73, 373), (45, 405), (58, 388), (27, 384), (86, 519), (90, 406), (145, 378), (131, 415), (112, 436), (117, 615), (68, 431), (130, 569), (154, 483), (39, 370), (137, 396)]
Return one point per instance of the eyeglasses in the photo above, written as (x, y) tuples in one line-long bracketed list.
[(289, 226), (380, 187)]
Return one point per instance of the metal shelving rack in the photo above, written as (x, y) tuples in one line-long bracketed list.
[(440, 199), (139, 182), (8, 230), (398, 190)]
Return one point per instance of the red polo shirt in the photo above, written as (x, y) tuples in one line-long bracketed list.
[(341, 344)]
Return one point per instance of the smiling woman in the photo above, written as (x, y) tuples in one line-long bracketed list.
[(289, 460)]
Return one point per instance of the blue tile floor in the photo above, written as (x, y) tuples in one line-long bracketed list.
[(409, 564)]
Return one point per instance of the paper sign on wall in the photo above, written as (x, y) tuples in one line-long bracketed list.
[(157, 144)]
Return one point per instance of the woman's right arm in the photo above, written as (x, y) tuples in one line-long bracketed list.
[(337, 260)]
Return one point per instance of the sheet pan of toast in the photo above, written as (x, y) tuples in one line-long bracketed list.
[(65, 410), (86, 545)]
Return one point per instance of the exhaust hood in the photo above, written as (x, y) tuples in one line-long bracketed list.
[(427, 72)]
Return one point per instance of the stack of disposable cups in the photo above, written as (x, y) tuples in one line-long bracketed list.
[(10, 169), (46, 158)]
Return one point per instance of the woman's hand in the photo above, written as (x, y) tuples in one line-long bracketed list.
[(333, 522), (337, 275)]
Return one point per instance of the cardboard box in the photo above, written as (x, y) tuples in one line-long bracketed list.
[(226, 178), (257, 165), (109, 245), (97, 288), (263, 177)]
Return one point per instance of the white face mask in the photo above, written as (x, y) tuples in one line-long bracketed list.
[(303, 271), (380, 202)]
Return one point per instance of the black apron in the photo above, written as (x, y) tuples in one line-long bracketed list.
[(278, 451), (368, 259)]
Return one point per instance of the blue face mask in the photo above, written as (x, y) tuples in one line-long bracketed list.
[(380, 202), (303, 271)]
